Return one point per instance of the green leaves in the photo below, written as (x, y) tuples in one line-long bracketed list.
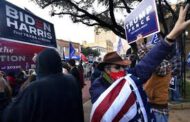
[(88, 51)]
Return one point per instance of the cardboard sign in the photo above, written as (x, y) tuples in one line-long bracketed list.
[(143, 20)]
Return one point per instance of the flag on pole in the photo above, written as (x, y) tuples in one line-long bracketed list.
[(71, 50), (119, 46), (83, 57)]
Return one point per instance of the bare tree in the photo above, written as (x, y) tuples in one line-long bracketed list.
[(107, 14)]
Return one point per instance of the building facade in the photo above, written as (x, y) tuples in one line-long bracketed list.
[(104, 41)]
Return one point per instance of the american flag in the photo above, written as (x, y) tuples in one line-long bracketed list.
[(121, 102)]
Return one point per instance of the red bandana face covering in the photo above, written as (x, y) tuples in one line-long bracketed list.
[(116, 75)]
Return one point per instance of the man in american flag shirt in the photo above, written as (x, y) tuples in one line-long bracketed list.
[(117, 95)]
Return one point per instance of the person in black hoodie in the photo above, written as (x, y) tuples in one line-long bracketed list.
[(53, 97), (75, 72)]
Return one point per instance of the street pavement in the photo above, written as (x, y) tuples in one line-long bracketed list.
[(86, 100), (179, 112), (85, 91), (178, 115)]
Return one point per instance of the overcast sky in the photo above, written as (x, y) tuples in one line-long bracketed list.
[(64, 28)]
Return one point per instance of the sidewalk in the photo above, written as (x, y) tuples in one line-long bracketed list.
[(87, 109), (86, 100), (179, 105), (179, 112)]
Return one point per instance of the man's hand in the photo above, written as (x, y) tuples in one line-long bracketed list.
[(140, 42), (181, 24), (140, 39)]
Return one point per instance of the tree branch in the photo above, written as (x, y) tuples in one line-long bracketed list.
[(162, 18), (128, 9), (49, 3), (172, 11), (111, 8), (120, 31), (117, 29), (67, 13), (87, 14), (88, 24)]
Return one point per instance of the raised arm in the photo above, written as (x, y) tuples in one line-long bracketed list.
[(180, 25), (154, 57)]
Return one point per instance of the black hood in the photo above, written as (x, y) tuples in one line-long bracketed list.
[(48, 62)]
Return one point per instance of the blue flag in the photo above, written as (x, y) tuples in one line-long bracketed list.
[(71, 50), (119, 46)]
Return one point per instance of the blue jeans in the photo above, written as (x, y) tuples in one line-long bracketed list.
[(175, 95), (160, 117)]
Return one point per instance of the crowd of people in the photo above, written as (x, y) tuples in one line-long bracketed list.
[(45, 95), (119, 92), (140, 92)]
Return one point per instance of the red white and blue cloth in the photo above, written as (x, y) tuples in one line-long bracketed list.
[(121, 102)]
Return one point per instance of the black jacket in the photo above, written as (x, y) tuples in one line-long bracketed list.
[(75, 72), (53, 97)]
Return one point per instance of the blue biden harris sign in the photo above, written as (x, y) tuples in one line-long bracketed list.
[(143, 20), (18, 24)]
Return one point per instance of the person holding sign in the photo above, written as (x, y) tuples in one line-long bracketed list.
[(118, 95), (157, 86)]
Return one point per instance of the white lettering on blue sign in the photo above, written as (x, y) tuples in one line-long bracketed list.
[(26, 23), (139, 20)]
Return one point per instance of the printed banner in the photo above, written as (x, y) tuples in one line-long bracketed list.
[(143, 20), (15, 55), (21, 25)]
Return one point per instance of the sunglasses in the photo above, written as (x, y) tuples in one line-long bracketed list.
[(117, 67)]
